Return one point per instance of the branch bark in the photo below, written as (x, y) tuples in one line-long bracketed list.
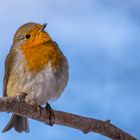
[(85, 124)]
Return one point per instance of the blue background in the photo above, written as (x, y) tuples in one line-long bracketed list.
[(101, 41)]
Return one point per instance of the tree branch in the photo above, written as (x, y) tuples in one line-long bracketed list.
[(85, 124)]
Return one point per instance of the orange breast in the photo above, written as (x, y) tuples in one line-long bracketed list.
[(39, 55)]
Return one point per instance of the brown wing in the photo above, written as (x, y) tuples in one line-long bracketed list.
[(55, 43), (8, 67)]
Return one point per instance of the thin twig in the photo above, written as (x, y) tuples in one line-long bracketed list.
[(85, 124)]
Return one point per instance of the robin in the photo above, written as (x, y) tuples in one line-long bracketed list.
[(36, 66)]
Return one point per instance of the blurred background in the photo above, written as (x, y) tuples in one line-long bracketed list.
[(101, 41)]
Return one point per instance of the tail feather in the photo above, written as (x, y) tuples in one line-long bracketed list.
[(19, 123)]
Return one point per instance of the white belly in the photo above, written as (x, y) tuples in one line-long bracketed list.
[(44, 86), (41, 87)]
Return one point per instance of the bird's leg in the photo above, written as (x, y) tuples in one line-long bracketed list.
[(52, 115)]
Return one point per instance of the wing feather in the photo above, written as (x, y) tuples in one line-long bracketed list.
[(8, 66)]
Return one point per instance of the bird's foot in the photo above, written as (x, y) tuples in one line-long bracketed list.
[(21, 97), (37, 107), (52, 115)]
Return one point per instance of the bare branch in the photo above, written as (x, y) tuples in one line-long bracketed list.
[(85, 124)]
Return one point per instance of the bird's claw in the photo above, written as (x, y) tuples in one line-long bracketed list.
[(21, 97), (37, 107)]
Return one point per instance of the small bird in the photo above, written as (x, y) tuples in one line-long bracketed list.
[(36, 66)]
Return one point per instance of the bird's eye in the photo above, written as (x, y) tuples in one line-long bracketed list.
[(27, 36)]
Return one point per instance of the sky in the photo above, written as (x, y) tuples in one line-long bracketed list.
[(101, 42)]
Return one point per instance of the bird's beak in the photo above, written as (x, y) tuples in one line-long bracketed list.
[(43, 27)]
